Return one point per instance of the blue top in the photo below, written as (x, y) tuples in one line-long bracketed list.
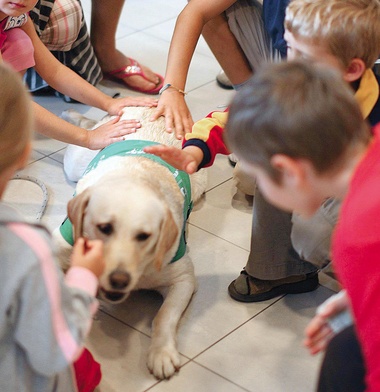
[(274, 17)]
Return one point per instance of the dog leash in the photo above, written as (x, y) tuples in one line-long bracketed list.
[(44, 192)]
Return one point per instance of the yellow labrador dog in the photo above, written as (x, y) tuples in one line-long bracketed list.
[(138, 206)]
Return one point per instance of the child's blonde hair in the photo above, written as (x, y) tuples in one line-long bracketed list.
[(15, 117), (349, 28)]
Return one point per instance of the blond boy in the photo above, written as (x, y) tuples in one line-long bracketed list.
[(287, 250)]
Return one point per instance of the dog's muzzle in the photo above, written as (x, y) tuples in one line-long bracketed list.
[(112, 296), (118, 281)]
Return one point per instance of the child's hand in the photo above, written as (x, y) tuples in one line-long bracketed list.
[(318, 332), (111, 132), (88, 254), (173, 107), (116, 105), (187, 159)]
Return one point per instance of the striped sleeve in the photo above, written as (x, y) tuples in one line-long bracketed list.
[(207, 134)]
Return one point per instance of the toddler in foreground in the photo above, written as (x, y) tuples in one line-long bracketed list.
[(44, 317)]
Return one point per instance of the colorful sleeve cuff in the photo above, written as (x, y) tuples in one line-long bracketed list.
[(204, 147)]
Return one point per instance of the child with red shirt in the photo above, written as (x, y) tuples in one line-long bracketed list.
[(305, 141)]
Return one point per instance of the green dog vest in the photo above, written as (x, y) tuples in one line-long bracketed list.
[(135, 148)]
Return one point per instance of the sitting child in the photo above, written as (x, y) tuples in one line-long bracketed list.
[(21, 47), (44, 318)]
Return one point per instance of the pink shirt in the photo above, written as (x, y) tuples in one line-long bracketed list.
[(8, 23), (15, 45)]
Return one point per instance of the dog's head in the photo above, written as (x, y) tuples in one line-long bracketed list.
[(136, 226)]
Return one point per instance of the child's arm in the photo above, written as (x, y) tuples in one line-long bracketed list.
[(88, 254), (187, 31), (187, 159), (52, 315), (325, 325), (52, 126), (69, 83), (199, 147)]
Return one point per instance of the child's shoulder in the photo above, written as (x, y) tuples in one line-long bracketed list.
[(20, 236)]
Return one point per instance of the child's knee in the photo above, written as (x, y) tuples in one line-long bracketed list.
[(243, 181), (311, 238)]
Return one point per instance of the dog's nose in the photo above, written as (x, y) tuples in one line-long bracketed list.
[(119, 279)]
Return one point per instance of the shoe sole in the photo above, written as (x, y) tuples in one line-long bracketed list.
[(304, 286)]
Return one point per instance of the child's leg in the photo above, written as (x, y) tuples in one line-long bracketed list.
[(343, 366), (227, 50), (18, 50), (273, 266), (105, 16), (245, 20), (244, 182), (272, 255), (239, 40), (311, 237)]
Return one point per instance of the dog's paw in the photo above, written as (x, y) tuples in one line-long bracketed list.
[(76, 118), (163, 362)]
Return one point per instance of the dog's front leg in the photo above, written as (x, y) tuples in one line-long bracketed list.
[(163, 358)]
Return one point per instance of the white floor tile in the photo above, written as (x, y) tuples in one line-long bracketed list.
[(266, 354), (195, 378), (122, 353), (141, 15), (219, 217), (59, 190), (220, 172)]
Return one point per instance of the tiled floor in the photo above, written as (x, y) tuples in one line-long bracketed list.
[(226, 346)]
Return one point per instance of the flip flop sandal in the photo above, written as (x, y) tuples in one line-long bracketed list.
[(134, 69)]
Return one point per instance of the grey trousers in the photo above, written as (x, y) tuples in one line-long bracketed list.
[(284, 244), (245, 20)]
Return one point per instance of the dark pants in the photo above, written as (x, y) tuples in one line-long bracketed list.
[(343, 367)]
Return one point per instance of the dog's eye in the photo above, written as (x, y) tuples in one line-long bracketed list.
[(105, 228), (142, 236)]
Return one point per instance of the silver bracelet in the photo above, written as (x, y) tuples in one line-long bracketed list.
[(168, 85)]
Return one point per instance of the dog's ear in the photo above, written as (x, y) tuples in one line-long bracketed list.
[(75, 211), (168, 234)]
